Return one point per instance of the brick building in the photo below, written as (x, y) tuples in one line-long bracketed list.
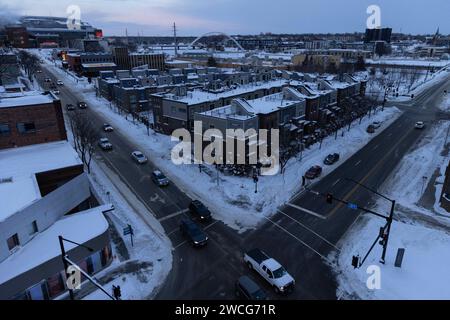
[(30, 119)]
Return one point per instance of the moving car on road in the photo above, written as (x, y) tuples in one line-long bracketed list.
[(70, 107), (107, 128), (331, 159), (47, 80), (271, 270), (59, 82), (159, 178), (198, 209), (56, 92), (247, 289), (105, 144), (193, 232), (82, 105), (419, 125), (313, 172), (139, 157)]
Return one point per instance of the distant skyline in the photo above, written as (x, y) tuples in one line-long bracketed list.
[(196, 17)]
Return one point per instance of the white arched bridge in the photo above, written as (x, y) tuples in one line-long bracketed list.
[(215, 33)]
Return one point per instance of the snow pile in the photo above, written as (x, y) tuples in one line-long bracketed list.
[(424, 270)]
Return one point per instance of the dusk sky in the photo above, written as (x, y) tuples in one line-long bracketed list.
[(195, 17)]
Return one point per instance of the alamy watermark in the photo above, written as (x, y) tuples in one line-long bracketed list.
[(249, 147), (373, 281), (73, 281), (374, 19), (73, 17)]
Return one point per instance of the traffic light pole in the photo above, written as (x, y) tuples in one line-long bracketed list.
[(388, 231)]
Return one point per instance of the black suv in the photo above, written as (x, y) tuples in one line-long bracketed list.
[(247, 289), (331, 159), (199, 210), (193, 232)]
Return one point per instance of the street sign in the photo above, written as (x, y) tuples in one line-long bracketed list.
[(352, 206)]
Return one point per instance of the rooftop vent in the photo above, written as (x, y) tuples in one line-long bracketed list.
[(6, 180)]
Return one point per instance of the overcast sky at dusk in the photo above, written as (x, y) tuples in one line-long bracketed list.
[(195, 17)]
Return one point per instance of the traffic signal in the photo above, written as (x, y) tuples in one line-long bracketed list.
[(329, 198), (355, 262)]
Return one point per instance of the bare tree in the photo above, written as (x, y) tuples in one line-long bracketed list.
[(85, 136), (29, 63)]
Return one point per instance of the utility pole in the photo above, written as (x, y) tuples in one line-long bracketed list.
[(175, 39)]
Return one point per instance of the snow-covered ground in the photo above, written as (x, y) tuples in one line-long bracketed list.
[(423, 232), (151, 250), (233, 199)]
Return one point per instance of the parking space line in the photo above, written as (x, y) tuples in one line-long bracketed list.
[(336, 182), (307, 211), (358, 163)]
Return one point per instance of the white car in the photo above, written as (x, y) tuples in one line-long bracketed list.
[(139, 157), (59, 83), (105, 144), (419, 125), (108, 128)]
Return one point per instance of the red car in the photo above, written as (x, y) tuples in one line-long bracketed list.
[(313, 172)]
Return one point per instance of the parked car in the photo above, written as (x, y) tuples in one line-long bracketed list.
[(38, 71), (47, 80), (193, 232), (370, 129), (107, 128), (247, 289), (82, 105), (271, 270), (198, 209), (56, 92), (419, 125), (139, 157), (70, 107), (331, 159), (59, 82), (376, 124), (105, 144), (159, 178), (313, 172)]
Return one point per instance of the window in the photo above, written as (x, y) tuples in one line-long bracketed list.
[(4, 129), (33, 228), (13, 241), (26, 127), (55, 285)]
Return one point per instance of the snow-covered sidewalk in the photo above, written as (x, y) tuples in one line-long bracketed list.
[(424, 233)]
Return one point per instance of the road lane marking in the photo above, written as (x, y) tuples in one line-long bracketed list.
[(358, 163), (173, 215), (309, 229), (307, 211), (351, 192), (300, 240), (336, 182), (376, 147)]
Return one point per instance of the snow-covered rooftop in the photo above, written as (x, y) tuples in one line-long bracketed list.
[(80, 227), (21, 164), (200, 96), (26, 99)]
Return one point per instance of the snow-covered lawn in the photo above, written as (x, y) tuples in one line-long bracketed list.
[(233, 200), (421, 231)]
